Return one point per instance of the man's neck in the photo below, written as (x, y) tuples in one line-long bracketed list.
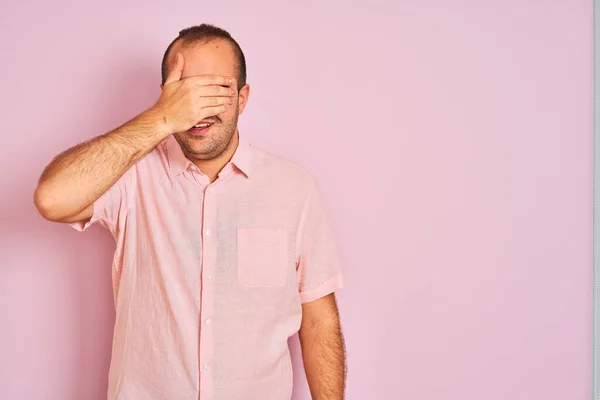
[(212, 168)]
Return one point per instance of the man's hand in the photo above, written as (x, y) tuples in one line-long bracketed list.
[(185, 102)]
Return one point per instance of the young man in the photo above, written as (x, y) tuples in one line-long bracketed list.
[(223, 250)]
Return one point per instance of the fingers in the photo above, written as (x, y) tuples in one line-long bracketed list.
[(205, 80), (210, 106), (215, 110), (205, 102), (215, 90), (176, 71)]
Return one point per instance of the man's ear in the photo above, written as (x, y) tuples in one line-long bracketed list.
[(243, 97)]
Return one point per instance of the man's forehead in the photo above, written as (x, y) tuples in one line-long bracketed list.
[(211, 57)]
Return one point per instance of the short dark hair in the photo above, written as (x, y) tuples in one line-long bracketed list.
[(206, 33)]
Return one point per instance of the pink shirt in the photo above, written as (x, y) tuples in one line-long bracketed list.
[(208, 278)]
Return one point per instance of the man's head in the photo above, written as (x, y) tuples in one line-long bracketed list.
[(208, 50)]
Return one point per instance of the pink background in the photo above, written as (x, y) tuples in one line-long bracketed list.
[(452, 141)]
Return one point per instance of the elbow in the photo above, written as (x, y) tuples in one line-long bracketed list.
[(46, 204)]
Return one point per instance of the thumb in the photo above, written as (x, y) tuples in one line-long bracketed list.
[(175, 73)]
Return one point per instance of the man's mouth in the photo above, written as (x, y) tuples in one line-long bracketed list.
[(201, 127)]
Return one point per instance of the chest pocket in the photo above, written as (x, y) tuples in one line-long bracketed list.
[(262, 257)]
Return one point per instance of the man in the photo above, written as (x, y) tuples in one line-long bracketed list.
[(223, 250)]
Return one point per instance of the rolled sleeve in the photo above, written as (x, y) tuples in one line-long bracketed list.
[(111, 207), (318, 267), (325, 288)]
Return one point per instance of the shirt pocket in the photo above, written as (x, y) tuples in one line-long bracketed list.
[(262, 256)]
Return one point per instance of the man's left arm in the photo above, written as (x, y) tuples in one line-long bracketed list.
[(319, 276), (323, 349)]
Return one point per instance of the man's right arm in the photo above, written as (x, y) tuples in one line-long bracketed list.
[(77, 177)]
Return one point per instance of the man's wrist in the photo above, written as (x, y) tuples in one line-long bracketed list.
[(156, 121)]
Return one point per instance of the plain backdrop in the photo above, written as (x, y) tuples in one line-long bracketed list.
[(452, 141)]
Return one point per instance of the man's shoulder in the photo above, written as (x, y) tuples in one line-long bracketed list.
[(273, 164)]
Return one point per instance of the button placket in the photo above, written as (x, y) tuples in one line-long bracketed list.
[(207, 302)]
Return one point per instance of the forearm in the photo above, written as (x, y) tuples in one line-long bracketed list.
[(78, 176), (323, 351)]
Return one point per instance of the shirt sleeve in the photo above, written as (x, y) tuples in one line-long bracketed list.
[(111, 208), (318, 267)]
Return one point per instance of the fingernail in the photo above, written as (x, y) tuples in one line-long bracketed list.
[(230, 80), (232, 91)]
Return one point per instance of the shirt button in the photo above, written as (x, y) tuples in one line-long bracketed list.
[(209, 190), (207, 321), (205, 367), (208, 232), (207, 276)]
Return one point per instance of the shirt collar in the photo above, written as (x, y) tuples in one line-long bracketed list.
[(178, 162), (242, 158)]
